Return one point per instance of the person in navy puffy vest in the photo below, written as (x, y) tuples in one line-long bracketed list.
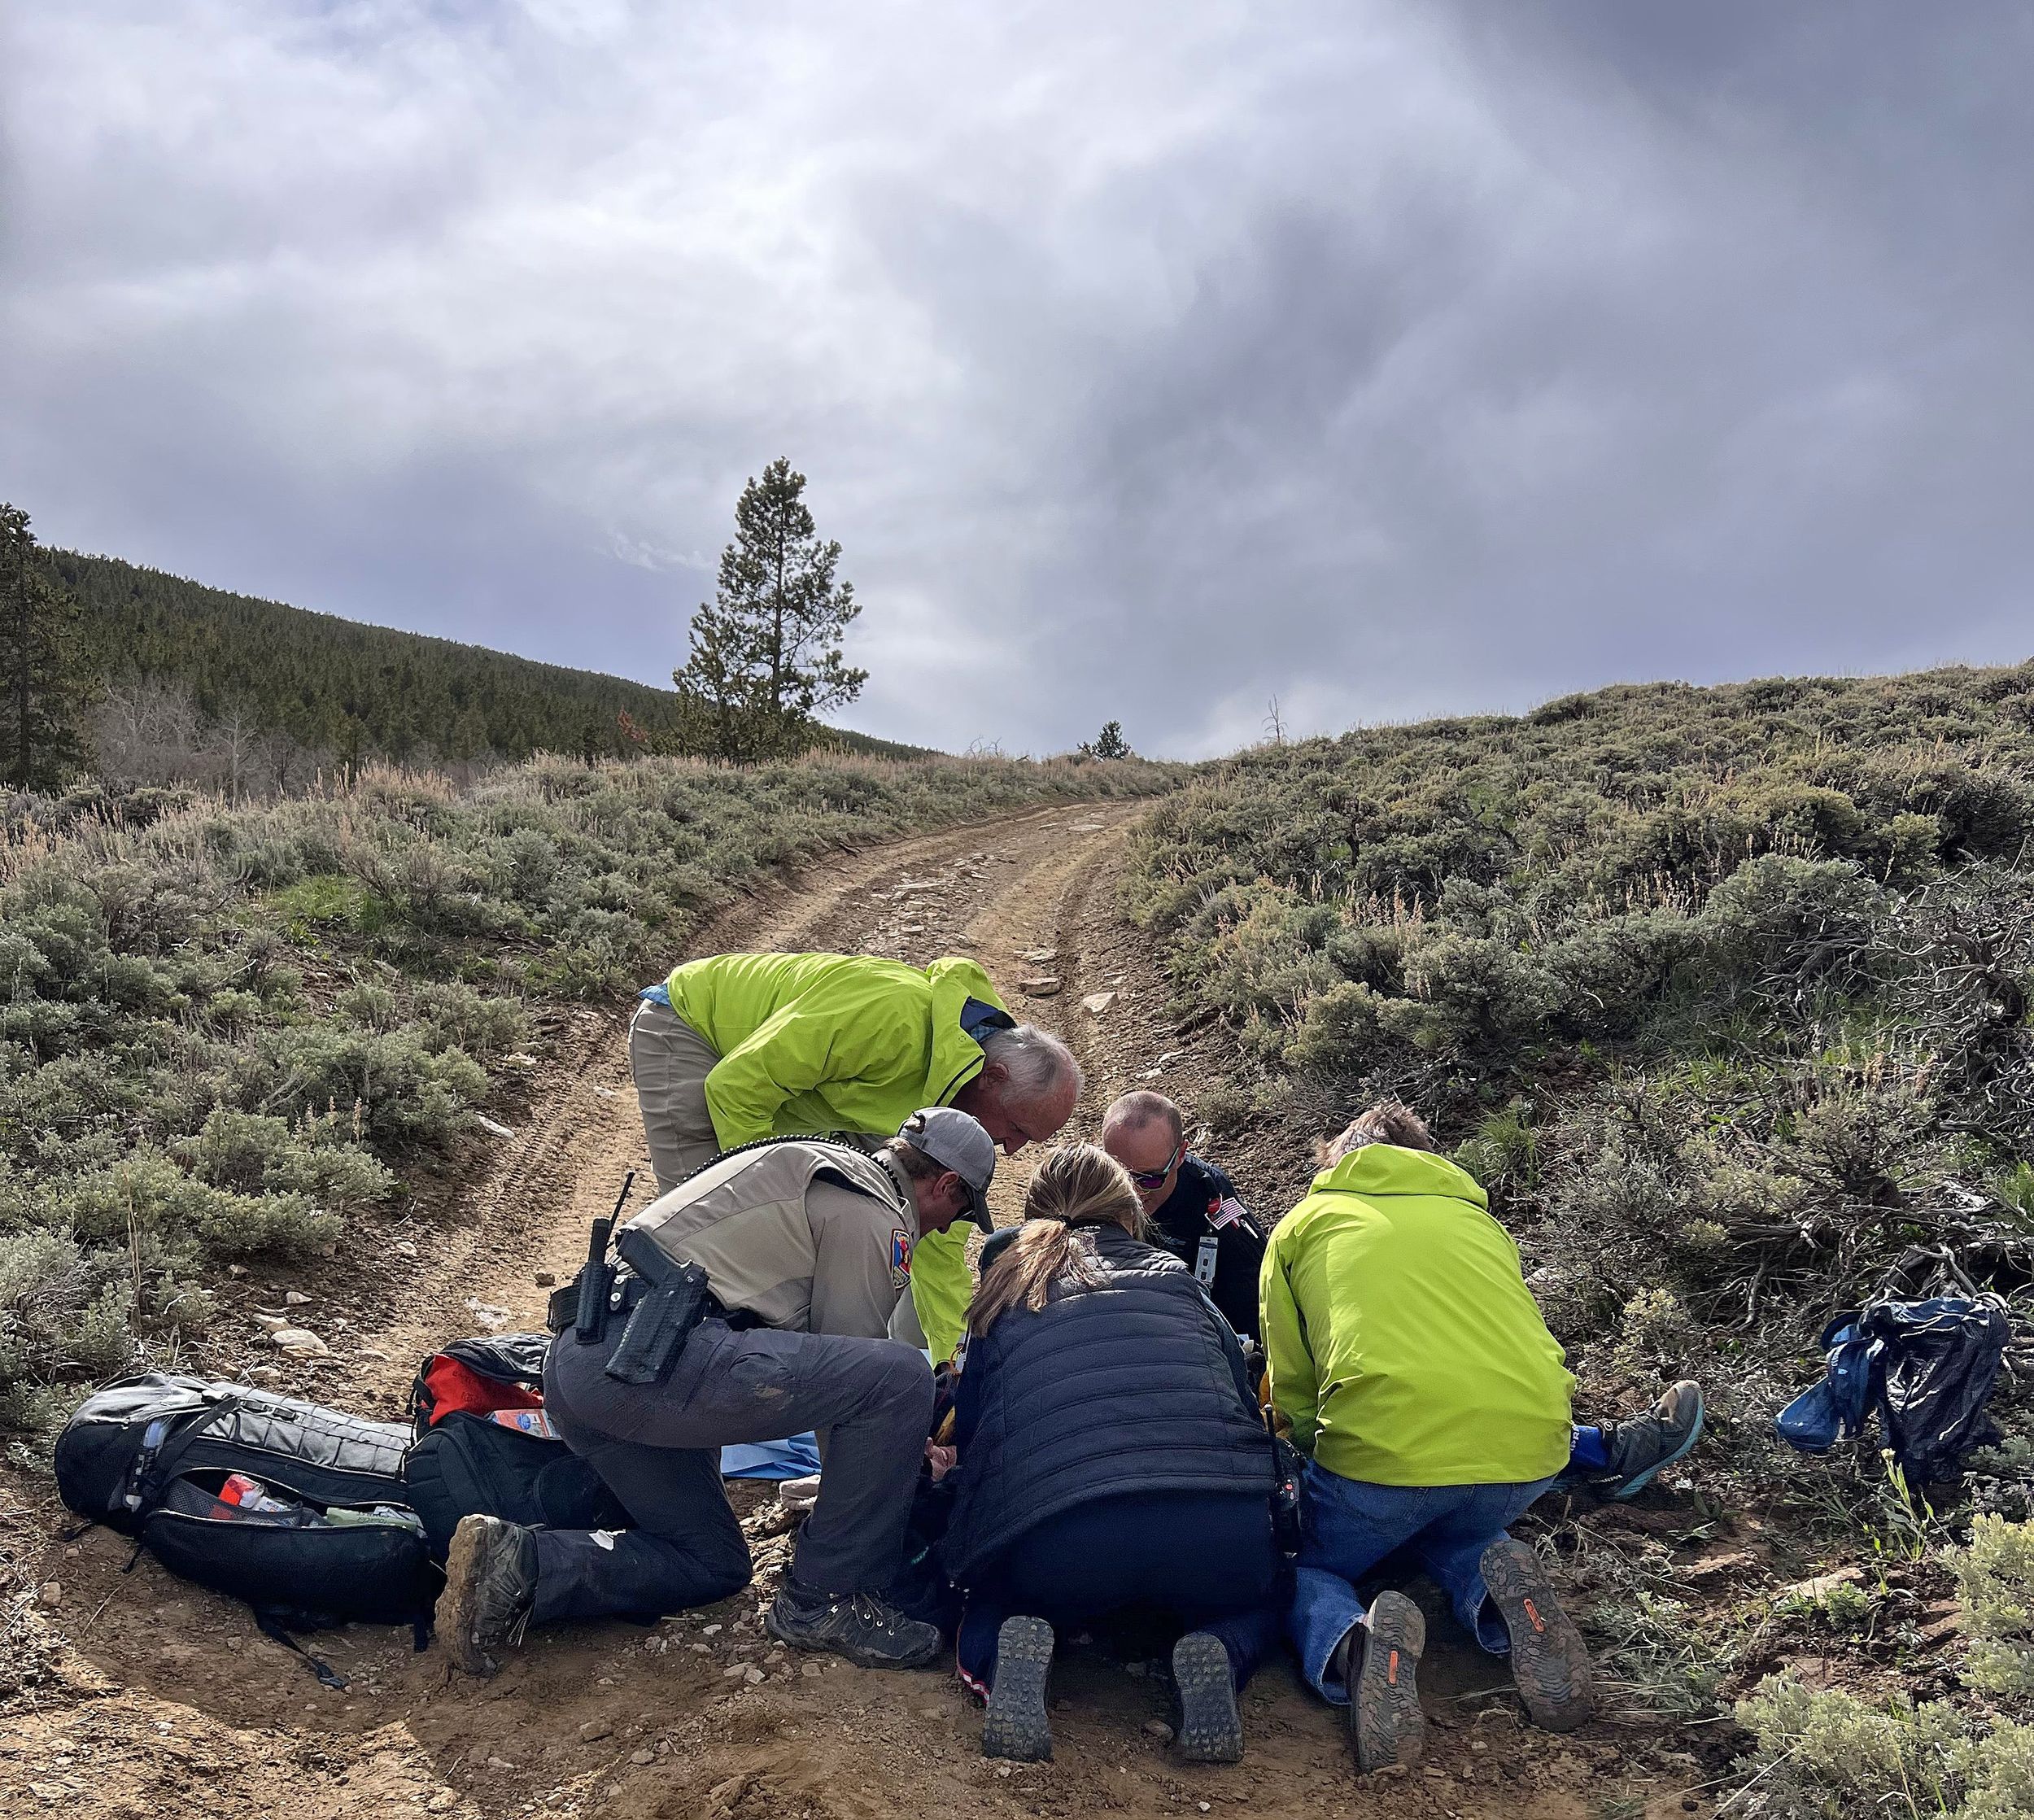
[(1111, 1455)]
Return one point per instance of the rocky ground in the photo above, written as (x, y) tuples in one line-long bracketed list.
[(138, 1694)]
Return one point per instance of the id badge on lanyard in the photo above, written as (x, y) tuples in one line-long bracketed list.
[(1204, 1261)]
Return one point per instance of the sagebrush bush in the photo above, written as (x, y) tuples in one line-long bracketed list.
[(1995, 1585), (1828, 1755)]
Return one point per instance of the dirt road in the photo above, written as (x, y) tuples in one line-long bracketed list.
[(157, 1698)]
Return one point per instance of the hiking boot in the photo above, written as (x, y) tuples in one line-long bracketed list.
[(1643, 1446), (870, 1632), (1211, 1729), (491, 1583), (1386, 1728), (1015, 1725), (1550, 1662)]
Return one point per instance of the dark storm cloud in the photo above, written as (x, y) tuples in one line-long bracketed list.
[(1149, 361)]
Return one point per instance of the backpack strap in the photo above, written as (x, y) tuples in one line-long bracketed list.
[(328, 1676)]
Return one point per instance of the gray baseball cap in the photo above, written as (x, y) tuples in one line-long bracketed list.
[(955, 1141)]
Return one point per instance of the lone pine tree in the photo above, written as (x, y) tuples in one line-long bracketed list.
[(46, 674), (765, 653)]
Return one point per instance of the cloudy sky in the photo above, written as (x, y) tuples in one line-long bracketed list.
[(1150, 359)]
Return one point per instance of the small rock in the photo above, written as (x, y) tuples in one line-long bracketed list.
[(499, 1763), (1003, 1768), (1822, 1586), (265, 1374), (546, 1279), (811, 1671), (493, 1127), (1041, 957), (51, 1594), (711, 1631), (735, 1673), (753, 1677), (442, 1802), (931, 1712), (594, 1731), (1205, 1807), (296, 1298), (404, 1249), (72, 1552), (1097, 1003), (300, 1342), (274, 1322), (1159, 1729), (639, 1758), (1044, 987)]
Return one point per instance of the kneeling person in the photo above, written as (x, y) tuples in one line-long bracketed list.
[(805, 1247), (1418, 1377)]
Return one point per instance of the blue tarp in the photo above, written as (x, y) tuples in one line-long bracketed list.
[(797, 1458)]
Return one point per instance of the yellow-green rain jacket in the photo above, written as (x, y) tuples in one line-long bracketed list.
[(1405, 1348), (841, 1042)]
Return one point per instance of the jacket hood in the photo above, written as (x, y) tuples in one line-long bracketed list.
[(1378, 1169), (956, 1058)]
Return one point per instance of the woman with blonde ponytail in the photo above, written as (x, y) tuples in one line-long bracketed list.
[(1111, 1455)]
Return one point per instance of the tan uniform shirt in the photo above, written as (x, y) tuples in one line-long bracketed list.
[(809, 1237)]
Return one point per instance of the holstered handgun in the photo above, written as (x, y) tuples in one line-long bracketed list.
[(675, 1302)]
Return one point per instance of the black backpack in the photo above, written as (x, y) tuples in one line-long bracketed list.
[(463, 1463), (148, 1456)]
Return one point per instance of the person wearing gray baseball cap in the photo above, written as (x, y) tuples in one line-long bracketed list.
[(756, 1299)]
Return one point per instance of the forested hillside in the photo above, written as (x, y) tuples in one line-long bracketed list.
[(337, 686)]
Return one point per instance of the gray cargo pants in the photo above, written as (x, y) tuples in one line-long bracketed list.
[(670, 1061), (658, 1447)]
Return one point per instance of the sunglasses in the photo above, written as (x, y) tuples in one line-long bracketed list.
[(1155, 1178)]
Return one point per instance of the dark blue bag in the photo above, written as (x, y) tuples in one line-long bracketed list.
[(1926, 1368)]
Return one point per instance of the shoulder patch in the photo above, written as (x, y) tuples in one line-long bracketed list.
[(899, 1258)]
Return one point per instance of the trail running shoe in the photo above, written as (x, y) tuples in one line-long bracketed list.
[(870, 1632), (1550, 1662), (1211, 1728), (1386, 1727), (1641, 1448), (1015, 1725), (491, 1583)]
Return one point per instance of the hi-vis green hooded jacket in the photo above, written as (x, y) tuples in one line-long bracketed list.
[(1405, 1348), (841, 1042)]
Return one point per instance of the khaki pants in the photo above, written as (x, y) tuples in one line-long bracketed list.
[(669, 1061)]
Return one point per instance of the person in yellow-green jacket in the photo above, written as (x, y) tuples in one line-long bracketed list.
[(737, 1047), (1417, 1377)]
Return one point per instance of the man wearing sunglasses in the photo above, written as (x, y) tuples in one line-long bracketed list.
[(1192, 1207)]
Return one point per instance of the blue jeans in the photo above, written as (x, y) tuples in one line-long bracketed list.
[(1352, 1527)]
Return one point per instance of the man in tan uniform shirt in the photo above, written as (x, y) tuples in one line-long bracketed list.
[(807, 1246)]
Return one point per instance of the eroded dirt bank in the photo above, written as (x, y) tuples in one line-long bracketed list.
[(156, 1698)]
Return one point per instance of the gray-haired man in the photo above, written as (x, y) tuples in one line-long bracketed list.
[(801, 1251)]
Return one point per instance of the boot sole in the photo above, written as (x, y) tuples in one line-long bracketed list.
[(1211, 1728), (1388, 1728), (1016, 1726), (453, 1619), (1550, 1662)]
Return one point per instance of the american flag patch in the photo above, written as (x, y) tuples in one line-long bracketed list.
[(1225, 1212)]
